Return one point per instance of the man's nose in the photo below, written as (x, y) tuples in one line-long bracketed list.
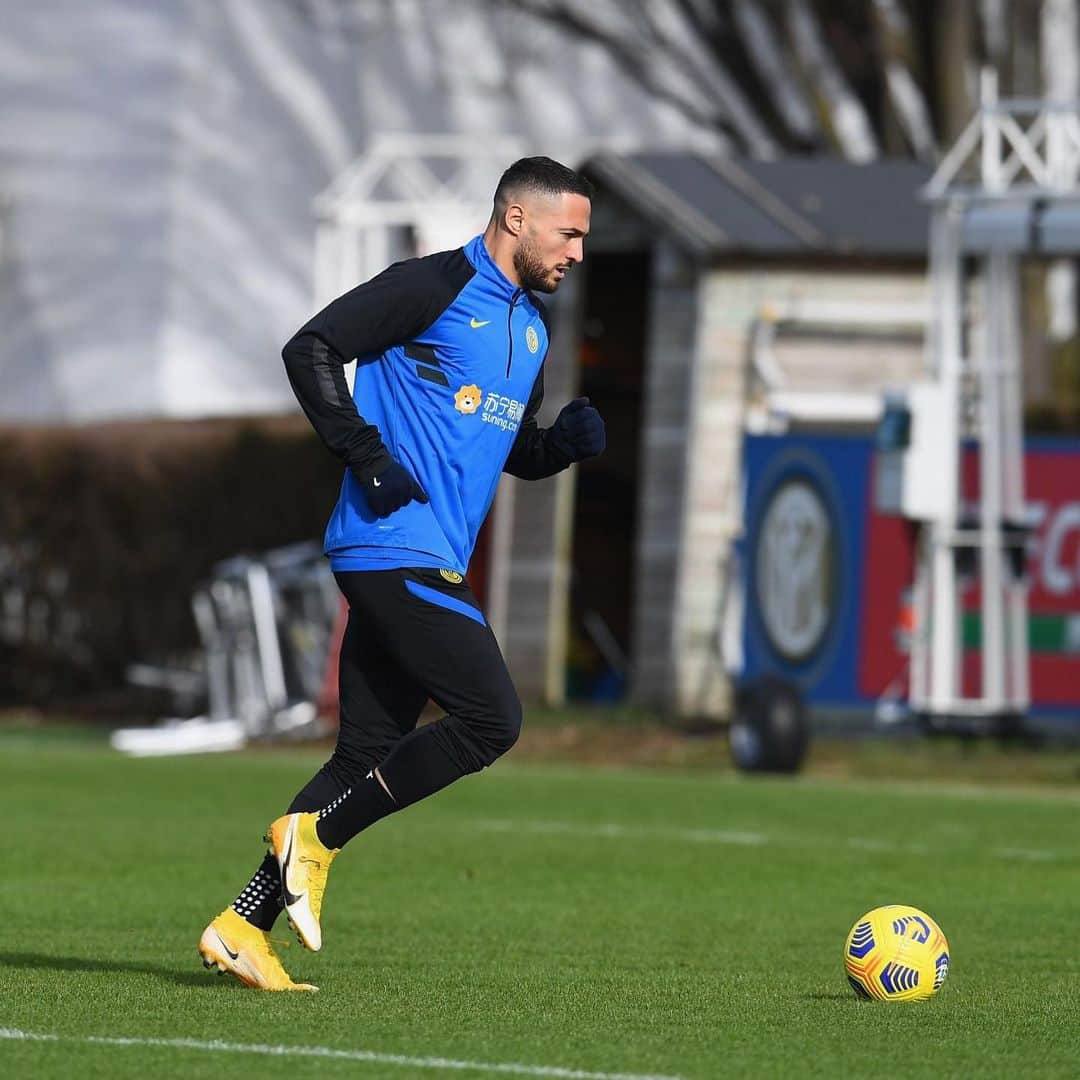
[(576, 251)]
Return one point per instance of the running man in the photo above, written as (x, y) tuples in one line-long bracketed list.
[(450, 377)]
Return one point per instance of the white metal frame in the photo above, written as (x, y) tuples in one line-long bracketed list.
[(835, 404), (440, 186), (420, 182), (1024, 151), (1039, 159)]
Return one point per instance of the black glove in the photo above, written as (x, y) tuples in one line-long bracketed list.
[(391, 489), (578, 431)]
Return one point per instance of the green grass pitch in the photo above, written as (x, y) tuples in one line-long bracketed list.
[(569, 921)]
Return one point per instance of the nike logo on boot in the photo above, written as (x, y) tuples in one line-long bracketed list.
[(233, 955), (290, 897)]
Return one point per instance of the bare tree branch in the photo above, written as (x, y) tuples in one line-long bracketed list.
[(842, 109), (766, 54), (654, 49), (893, 32)]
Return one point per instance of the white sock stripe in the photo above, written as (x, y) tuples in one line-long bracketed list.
[(335, 804)]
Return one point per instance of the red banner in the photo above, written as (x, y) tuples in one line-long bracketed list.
[(1053, 566)]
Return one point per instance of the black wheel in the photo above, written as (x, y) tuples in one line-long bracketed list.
[(769, 732)]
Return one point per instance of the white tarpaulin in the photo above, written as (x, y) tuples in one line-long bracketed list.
[(159, 163)]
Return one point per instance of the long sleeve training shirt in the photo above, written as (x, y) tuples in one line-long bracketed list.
[(449, 378)]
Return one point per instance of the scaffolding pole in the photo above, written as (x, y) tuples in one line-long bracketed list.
[(1015, 161)]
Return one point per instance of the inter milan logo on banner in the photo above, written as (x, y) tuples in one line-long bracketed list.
[(795, 571)]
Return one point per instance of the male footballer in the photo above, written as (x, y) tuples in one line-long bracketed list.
[(450, 375)]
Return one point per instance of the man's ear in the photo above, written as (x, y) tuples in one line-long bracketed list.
[(514, 219)]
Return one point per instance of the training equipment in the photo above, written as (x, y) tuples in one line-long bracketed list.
[(305, 862), (1004, 193), (233, 945), (268, 625), (896, 953)]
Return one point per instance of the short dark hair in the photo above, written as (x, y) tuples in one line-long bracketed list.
[(541, 176)]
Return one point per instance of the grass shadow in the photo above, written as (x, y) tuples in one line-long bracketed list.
[(39, 961)]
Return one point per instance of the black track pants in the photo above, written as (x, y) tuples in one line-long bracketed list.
[(413, 635)]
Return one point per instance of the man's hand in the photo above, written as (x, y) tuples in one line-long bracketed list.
[(391, 489), (578, 431)]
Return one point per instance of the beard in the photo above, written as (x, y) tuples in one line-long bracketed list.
[(531, 270)]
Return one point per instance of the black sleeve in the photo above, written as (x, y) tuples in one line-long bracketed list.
[(317, 374), (390, 309), (532, 457)]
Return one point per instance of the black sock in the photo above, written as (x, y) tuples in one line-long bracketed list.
[(418, 766), (428, 759), (260, 902), (353, 811)]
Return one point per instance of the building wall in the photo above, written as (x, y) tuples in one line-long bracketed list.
[(529, 579), (698, 377), (672, 336), (159, 162)]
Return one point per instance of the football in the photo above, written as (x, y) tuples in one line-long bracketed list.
[(896, 953)]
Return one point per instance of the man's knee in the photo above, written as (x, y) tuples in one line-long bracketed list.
[(350, 762), (508, 727), (481, 736)]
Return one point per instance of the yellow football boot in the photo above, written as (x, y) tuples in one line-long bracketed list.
[(233, 945), (304, 861)]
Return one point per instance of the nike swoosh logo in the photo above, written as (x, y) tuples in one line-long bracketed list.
[(475, 324), (375, 481), (290, 897), (234, 955)]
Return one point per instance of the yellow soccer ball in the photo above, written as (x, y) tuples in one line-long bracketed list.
[(896, 953)]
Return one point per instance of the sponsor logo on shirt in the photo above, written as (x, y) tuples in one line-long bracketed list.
[(505, 413), (467, 399), (500, 411)]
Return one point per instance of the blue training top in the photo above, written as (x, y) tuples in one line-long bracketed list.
[(449, 379)]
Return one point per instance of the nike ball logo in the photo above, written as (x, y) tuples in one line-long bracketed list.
[(375, 481)]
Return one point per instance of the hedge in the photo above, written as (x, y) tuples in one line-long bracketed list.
[(106, 531)]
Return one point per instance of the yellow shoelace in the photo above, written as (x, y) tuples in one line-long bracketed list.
[(318, 885)]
